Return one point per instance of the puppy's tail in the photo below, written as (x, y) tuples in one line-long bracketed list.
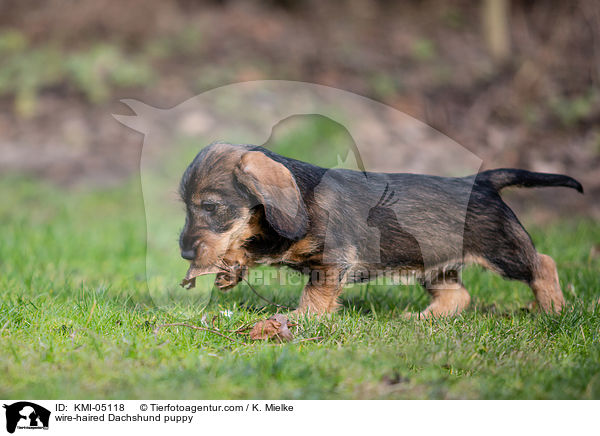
[(503, 177)]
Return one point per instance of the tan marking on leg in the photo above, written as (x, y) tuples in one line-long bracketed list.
[(545, 285), (321, 296), (446, 302)]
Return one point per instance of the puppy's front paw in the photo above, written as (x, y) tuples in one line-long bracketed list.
[(228, 279)]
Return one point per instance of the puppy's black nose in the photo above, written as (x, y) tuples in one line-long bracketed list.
[(188, 254)]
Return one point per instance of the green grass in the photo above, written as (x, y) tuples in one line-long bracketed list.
[(76, 321)]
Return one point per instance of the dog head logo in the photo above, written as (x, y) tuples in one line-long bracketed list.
[(26, 415)]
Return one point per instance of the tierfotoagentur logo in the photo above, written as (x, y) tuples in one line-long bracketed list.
[(24, 415), (377, 140)]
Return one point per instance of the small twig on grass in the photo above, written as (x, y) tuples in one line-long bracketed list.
[(242, 329), (194, 327)]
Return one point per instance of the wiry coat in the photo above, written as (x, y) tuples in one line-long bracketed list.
[(248, 205)]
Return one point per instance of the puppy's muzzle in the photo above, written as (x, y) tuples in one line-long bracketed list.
[(189, 254)]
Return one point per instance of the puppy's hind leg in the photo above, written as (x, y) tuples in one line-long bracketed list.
[(535, 269), (515, 257), (545, 285), (523, 263)]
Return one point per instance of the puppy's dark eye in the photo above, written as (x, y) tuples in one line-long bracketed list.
[(208, 206)]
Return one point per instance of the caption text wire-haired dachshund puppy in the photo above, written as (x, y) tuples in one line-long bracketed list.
[(247, 205)]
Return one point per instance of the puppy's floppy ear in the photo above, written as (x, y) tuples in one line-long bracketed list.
[(272, 184)]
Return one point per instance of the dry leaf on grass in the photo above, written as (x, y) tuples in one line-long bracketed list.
[(275, 328)]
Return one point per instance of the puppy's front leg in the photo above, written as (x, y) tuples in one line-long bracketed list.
[(321, 292)]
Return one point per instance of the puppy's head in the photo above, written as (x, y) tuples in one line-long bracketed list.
[(224, 188)]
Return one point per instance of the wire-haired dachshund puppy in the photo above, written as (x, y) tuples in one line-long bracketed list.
[(247, 205)]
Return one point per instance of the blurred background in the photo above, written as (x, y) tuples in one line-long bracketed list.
[(515, 82)]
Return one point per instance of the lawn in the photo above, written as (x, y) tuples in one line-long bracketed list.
[(76, 321)]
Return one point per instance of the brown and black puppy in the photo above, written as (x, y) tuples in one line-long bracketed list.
[(247, 205)]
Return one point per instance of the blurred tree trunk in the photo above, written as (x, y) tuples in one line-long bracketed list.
[(496, 28)]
